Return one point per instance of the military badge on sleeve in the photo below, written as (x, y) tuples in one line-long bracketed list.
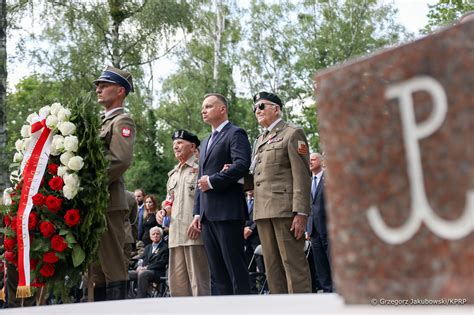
[(302, 148), (126, 132)]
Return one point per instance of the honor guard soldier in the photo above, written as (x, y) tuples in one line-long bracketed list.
[(109, 278), (282, 184)]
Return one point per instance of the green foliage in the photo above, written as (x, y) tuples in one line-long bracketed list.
[(290, 41), (446, 12), (93, 198), (266, 46), (149, 166)]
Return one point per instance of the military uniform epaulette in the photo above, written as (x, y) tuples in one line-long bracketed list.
[(293, 126), (173, 170)]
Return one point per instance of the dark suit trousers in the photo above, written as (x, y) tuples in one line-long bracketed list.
[(320, 248), (224, 244)]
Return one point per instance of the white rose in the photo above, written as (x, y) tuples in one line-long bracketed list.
[(26, 144), (64, 114), (71, 143), (70, 192), (54, 152), (71, 180), (75, 163), (7, 199), (55, 108), (26, 131), (18, 157), (67, 128), (52, 121), (57, 144), (19, 145), (62, 170), (65, 157), (14, 178), (32, 118), (44, 111)]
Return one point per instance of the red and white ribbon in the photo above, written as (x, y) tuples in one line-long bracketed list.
[(33, 167)]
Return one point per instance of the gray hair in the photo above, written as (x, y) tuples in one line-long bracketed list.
[(156, 228)]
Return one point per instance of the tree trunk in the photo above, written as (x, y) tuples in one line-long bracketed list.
[(3, 82), (117, 14), (220, 24)]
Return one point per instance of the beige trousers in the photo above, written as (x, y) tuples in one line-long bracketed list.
[(189, 271)]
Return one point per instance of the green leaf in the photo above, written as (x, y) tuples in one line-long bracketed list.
[(78, 255), (63, 232), (70, 239), (37, 245)]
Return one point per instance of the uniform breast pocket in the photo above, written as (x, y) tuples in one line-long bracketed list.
[(273, 152), (191, 183), (106, 136), (172, 183)]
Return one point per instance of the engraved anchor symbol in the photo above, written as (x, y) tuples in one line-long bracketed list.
[(412, 132)]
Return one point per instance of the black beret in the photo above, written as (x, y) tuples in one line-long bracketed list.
[(267, 96), (186, 135)]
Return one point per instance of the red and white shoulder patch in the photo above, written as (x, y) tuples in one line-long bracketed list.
[(126, 132), (302, 148)]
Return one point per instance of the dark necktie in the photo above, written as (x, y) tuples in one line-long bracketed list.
[(211, 140), (314, 186), (249, 205)]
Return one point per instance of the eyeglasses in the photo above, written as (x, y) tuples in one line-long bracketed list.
[(261, 106)]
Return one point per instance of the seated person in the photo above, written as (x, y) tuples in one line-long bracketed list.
[(155, 260)]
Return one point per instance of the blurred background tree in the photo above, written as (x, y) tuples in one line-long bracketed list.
[(224, 46)]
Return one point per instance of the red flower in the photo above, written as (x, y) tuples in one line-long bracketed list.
[(56, 183), (7, 220), (32, 220), (13, 223), (47, 228), (72, 217), (33, 263), (9, 243), (53, 169), (50, 257), (53, 203), (58, 243), (38, 200), (37, 284), (10, 257), (47, 270)]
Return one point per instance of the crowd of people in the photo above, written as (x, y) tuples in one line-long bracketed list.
[(225, 198)]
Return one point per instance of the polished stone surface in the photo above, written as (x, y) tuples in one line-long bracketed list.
[(411, 164)]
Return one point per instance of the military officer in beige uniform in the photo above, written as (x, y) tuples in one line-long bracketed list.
[(282, 184), (109, 277), (188, 268)]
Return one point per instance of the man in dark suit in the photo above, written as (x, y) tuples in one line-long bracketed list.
[(251, 242), (317, 229), (155, 260), (220, 208)]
